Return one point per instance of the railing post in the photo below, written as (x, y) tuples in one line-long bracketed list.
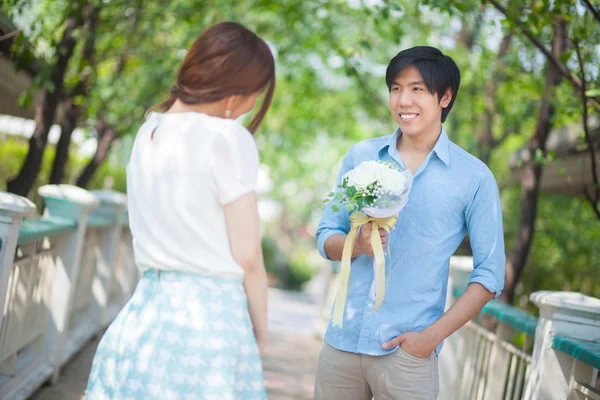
[(567, 314), (12, 210), (461, 268), (499, 362), (75, 203), (112, 206)]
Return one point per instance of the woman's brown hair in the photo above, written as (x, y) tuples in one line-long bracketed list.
[(226, 60)]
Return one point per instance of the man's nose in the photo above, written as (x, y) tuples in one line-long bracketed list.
[(405, 99)]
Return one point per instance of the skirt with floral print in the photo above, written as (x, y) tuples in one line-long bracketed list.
[(180, 336)]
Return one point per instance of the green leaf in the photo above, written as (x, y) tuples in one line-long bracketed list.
[(335, 207), (564, 57), (539, 156), (24, 99), (49, 86), (351, 191), (592, 93), (78, 100), (365, 44), (349, 207)]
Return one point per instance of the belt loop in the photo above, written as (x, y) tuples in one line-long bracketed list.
[(158, 273)]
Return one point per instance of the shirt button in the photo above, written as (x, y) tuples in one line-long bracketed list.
[(370, 304)]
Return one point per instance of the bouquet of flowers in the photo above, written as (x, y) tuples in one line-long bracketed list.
[(377, 188), (375, 192)]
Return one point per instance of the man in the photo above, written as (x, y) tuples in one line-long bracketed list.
[(392, 353)]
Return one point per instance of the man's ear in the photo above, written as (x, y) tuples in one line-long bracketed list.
[(446, 98)]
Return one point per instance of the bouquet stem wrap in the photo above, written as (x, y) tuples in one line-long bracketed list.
[(358, 219)]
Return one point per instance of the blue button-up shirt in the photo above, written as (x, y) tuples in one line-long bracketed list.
[(453, 193)]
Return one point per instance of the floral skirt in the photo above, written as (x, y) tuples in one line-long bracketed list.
[(181, 336)]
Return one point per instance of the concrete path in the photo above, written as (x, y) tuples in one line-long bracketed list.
[(289, 364)]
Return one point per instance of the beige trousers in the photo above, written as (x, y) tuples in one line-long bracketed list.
[(398, 376)]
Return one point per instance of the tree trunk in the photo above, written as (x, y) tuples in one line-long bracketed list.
[(45, 113), (106, 133), (106, 137), (68, 125), (486, 138), (532, 172), (73, 111)]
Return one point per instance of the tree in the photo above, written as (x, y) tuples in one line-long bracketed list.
[(106, 133), (49, 99), (536, 22), (532, 173), (556, 70), (75, 98), (586, 26), (106, 136)]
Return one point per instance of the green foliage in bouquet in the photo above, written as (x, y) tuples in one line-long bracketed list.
[(353, 198)]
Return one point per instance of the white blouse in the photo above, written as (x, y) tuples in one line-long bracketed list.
[(184, 168)]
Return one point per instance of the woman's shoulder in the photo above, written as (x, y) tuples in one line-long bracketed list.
[(195, 120), (231, 127), (232, 131)]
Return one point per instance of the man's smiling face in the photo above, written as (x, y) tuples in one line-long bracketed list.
[(414, 108)]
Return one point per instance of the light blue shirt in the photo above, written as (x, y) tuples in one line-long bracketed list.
[(453, 194)]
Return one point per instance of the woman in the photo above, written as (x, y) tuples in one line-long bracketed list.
[(198, 318)]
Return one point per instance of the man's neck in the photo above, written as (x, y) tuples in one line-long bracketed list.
[(422, 143)]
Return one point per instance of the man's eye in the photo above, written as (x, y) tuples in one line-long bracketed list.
[(418, 89), (395, 89)]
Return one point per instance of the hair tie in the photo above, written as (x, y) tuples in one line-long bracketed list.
[(175, 90)]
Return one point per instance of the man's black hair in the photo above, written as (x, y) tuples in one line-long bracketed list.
[(439, 71)]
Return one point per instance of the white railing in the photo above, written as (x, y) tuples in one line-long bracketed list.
[(583, 378), (566, 354), (63, 278), (21, 334), (505, 353), (494, 367)]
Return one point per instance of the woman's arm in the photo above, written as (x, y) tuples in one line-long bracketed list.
[(243, 227)]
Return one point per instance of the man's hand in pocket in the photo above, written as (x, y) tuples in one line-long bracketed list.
[(418, 344)]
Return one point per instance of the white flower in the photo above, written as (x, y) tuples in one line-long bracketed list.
[(393, 181), (386, 178), (378, 188), (365, 174)]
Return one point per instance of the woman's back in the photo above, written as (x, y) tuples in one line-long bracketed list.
[(197, 320), (184, 168)]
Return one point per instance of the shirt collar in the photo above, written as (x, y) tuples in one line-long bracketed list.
[(440, 148)]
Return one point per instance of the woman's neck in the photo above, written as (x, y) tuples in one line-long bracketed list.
[(212, 109)]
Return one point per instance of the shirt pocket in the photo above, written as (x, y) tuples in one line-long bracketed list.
[(433, 216)]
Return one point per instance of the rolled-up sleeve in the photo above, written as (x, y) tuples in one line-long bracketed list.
[(333, 222), (484, 223)]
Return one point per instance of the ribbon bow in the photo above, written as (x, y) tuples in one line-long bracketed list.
[(358, 219)]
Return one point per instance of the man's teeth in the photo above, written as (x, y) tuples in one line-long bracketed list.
[(408, 116)]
